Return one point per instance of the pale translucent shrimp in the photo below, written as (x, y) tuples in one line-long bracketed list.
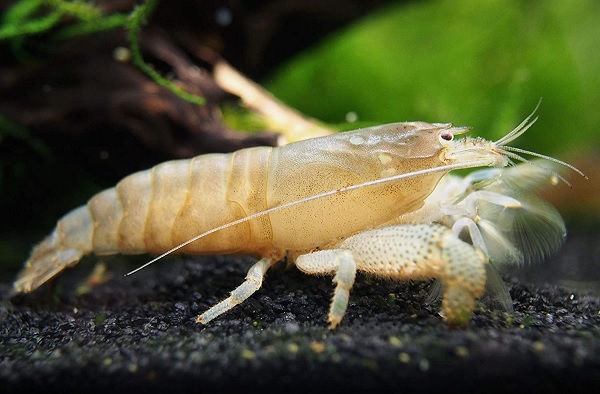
[(308, 196)]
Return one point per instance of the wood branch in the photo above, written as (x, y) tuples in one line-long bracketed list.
[(86, 104), (278, 116)]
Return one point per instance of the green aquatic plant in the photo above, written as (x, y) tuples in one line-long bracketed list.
[(63, 19), (137, 18)]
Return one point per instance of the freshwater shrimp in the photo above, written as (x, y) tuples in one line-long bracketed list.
[(310, 200)]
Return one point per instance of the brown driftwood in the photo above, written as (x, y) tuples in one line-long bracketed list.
[(86, 103)]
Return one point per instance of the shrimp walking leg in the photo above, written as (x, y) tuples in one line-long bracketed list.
[(463, 276), (424, 251), (327, 261), (253, 281)]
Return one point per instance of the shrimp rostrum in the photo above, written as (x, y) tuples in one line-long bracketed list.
[(367, 200)]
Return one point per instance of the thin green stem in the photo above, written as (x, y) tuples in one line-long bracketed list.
[(137, 18)]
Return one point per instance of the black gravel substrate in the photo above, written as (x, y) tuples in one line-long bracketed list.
[(138, 333)]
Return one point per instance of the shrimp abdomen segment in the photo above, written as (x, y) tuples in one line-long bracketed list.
[(204, 207), (154, 210), (150, 210)]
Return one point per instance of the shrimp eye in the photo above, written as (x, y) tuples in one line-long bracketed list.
[(447, 136)]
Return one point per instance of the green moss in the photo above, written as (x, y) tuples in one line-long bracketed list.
[(28, 18), (138, 17)]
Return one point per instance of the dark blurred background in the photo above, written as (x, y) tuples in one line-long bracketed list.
[(74, 120)]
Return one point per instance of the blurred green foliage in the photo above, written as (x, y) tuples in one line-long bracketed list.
[(26, 18), (479, 63), (33, 17)]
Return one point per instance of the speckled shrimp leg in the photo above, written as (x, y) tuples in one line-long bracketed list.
[(253, 282), (338, 261), (407, 252)]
